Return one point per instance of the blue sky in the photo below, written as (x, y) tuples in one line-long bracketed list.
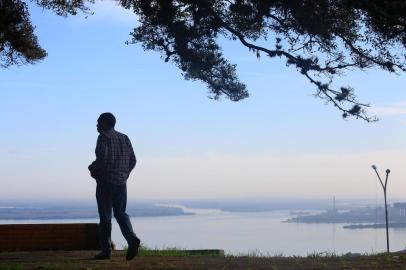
[(280, 142)]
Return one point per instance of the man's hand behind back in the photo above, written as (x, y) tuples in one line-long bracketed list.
[(94, 173)]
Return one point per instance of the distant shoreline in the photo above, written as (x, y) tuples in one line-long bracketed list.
[(85, 212), (374, 226)]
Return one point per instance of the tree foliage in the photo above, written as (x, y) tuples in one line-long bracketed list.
[(322, 39), (18, 44)]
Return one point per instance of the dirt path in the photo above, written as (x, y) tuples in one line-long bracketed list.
[(83, 260)]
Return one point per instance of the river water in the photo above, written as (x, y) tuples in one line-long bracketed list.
[(262, 233)]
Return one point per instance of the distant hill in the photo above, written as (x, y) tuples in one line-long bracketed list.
[(374, 215), (81, 211)]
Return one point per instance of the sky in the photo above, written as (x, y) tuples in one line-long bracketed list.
[(281, 142)]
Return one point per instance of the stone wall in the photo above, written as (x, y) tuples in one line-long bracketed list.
[(78, 236)]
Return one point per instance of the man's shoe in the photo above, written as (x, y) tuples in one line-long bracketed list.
[(102, 256), (133, 249)]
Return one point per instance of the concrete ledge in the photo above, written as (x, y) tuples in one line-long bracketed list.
[(29, 237), (184, 252), (206, 252)]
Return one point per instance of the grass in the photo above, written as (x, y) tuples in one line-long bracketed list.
[(313, 255), (146, 251), (178, 258), (255, 254)]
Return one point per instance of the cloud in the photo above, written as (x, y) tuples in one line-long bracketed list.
[(396, 109)]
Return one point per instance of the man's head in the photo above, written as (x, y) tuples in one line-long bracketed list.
[(105, 122)]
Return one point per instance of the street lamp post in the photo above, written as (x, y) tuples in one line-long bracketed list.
[(386, 206)]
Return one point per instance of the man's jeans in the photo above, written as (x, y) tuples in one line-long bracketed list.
[(113, 197)]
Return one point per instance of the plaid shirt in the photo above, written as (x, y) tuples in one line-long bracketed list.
[(115, 158)]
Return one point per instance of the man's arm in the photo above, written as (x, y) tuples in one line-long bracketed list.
[(101, 154), (133, 160)]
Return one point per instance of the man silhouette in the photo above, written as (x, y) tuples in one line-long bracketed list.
[(115, 160)]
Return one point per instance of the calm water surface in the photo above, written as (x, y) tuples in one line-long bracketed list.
[(237, 233)]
